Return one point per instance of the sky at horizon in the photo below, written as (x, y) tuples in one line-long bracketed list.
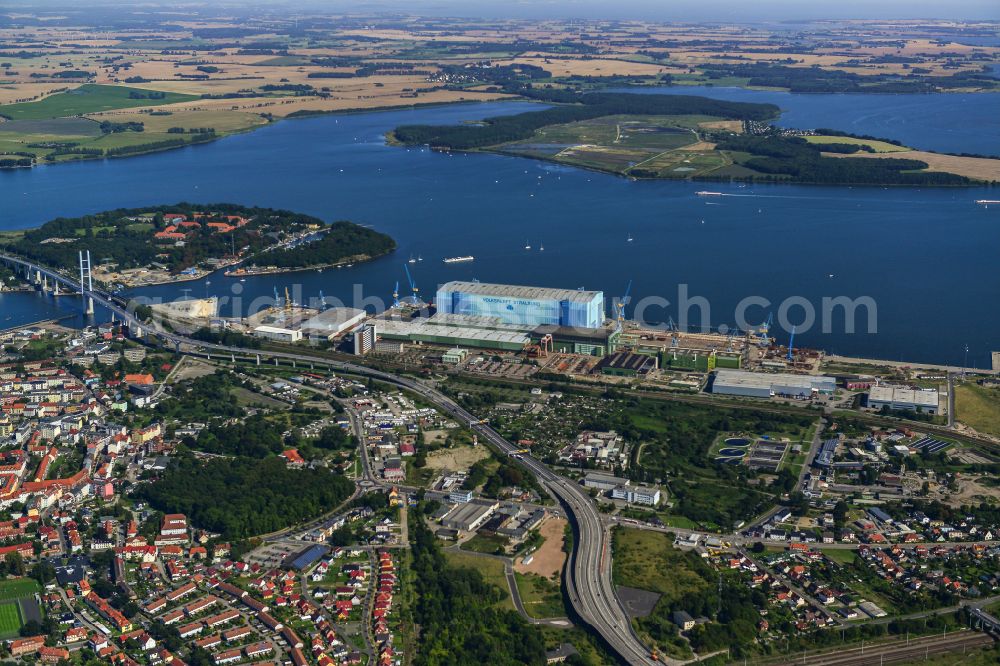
[(665, 10)]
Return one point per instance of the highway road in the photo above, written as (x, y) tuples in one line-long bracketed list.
[(588, 576)]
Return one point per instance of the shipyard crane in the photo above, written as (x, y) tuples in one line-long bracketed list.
[(414, 299), (621, 305), (395, 295), (277, 299), (322, 300), (791, 345), (763, 330)]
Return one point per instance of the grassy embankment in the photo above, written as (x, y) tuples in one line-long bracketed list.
[(490, 568), (648, 561), (978, 407)]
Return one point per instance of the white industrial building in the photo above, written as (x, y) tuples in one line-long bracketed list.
[(603, 481), (766, 385), (277, 334), (622, 489), (637, 495), (328, 324), (901, 397)]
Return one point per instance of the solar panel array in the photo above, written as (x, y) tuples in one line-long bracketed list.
[(929, 445)]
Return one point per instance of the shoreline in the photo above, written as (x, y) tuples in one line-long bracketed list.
[(358, 259), (307, 113), (295, 115), (392, 141)]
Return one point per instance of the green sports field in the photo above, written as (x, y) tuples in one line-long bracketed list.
[(15, 588), (88, 98), (10, 619)]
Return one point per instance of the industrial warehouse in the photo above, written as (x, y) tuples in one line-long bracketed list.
[(767, 385), (903, 398), (532, 306)]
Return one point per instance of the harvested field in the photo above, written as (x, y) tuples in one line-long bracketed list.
[(595, 67), (877, 146), (457, 459), (548, 560), (978, 168), (53, 127), (16, 92), (735, 126)]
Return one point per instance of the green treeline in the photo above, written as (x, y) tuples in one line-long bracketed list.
[(794, 158), (502, 129), (342, 241), (817, 80), (460, 623), (242, 497), (256, 437)]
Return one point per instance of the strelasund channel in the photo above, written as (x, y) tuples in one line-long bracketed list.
[(926, 256)]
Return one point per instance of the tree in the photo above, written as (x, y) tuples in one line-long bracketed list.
[(43, 572), (14, 564), (30, 628)]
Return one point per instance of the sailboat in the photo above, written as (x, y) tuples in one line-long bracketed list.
[(541, 248), (420, 258), (412, 260), (527, 245), (629, 237)]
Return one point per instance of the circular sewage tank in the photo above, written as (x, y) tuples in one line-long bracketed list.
[(732, 452), (737, 441)]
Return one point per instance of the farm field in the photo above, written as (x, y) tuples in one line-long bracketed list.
[(877, 146), (88, 98), (978, 168)]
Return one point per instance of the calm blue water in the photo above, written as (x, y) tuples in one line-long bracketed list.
[(927, 257)]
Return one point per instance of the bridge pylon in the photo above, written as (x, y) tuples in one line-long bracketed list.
[(86, 283)]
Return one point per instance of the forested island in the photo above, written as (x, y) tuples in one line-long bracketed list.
[(573, 107), (339, 243), (187, 241), (695, 138)]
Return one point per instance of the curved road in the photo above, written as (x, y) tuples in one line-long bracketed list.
[(588, 578)]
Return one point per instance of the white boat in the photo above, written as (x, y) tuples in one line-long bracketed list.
[(630, 239), (987, 202), (420, 258), (527, 245), (458, 260), (708, 194), (541, 248), (412, 260)]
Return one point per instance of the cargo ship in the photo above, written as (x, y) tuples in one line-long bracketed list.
[(458, 260)]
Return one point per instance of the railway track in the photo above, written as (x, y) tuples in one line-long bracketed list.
[(895, 652)]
